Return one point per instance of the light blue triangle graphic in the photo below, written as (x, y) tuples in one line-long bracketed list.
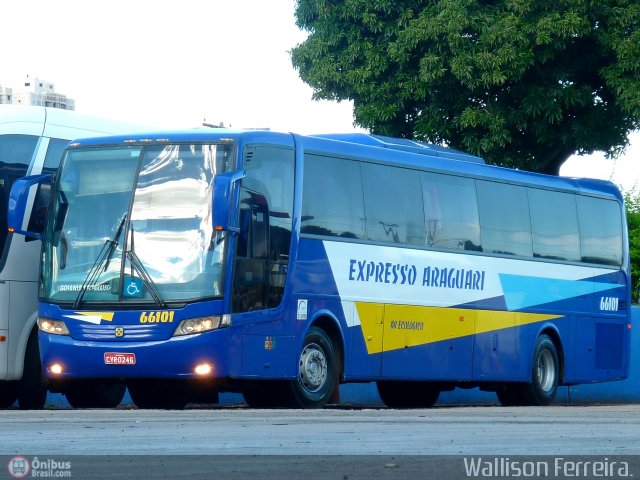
[(522, 291)]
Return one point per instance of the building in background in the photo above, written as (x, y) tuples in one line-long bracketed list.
[(6, 95), (36, 92)]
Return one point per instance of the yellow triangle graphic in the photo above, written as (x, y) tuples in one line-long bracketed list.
[(106, 316), (389, 327)]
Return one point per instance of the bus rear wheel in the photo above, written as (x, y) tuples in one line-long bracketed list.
[(545, 374), (95, 394), (407, 394)]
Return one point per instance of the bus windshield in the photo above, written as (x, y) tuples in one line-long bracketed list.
[(133, 224)]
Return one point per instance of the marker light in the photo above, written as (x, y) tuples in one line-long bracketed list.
[(56, 327), (203, 369), (55, 369), (202, 324)]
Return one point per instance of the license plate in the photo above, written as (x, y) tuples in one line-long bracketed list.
[(120, 358)]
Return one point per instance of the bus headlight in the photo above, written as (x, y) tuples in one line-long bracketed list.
[(56, 327), (202, 324)]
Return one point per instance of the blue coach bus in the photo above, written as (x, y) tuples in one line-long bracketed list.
[(184, 264)]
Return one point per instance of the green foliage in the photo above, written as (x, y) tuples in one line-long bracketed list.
[(632, 201), (523, 83)]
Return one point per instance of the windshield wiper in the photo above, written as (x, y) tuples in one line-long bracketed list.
[(137, 265), (101, 263)]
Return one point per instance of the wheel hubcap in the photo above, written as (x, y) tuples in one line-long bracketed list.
[(546, 371), (313, 368)]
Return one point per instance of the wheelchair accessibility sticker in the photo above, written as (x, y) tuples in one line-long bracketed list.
[(133, 287)]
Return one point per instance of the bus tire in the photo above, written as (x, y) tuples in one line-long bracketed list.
[(545, 374), (316, 382), (407, 394), (95, 394), (158, 394), (32, 391), (8, 393), (317, 371)]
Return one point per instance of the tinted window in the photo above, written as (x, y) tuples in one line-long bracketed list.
[(600, 231), (332, 198), (554, 224), (54, 155), (504, 219), (16, 152), (270, 171), (393, 204), (451, 212)]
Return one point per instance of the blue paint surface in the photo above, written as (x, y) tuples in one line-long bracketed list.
[(365, 394), (623, 391)]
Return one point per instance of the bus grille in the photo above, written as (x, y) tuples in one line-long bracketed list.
[(121, 333)]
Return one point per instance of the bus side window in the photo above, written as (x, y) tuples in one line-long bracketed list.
[(451, 212)]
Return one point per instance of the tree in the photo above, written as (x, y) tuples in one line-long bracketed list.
[(522, 83), (632, 200)]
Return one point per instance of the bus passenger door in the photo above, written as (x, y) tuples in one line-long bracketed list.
[(266, 321), (250, 276)]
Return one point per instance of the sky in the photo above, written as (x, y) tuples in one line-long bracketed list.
[(171, 64)]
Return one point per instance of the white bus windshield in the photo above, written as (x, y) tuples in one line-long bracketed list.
[(134, 224)]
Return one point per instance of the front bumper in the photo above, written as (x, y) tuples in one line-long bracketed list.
[(174, 358)]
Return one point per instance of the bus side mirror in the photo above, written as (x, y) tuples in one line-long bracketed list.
[(223, 211), (28, 204)]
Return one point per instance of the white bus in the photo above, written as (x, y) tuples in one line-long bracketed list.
[(32, 140)]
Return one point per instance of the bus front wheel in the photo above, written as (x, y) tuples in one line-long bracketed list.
[(545, 374), (316, 383), (317, 371)]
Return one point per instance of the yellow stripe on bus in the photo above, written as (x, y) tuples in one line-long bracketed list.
[(108, 316), (389, 327)]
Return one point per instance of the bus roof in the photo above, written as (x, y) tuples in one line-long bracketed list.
[(400, 152), (403, 144), (58, 123)]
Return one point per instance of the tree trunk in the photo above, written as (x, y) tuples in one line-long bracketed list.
[(553, 160)]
